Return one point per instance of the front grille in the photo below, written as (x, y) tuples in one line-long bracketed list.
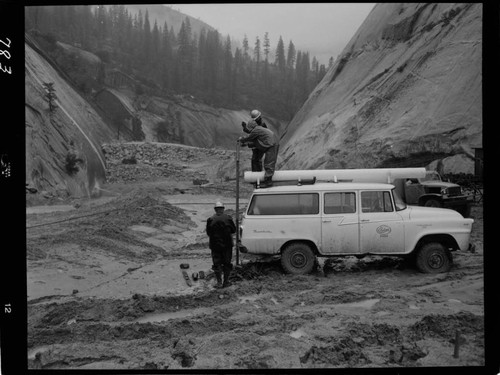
[(452, 191)]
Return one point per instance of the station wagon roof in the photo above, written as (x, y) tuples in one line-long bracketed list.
[(325, 186)]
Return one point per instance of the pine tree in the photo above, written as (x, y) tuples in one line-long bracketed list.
[(166, 54), (201, 63), (50, 95), (147, 41), (227, 69), (256, 53), (245, 48), (290, 60), (237, 74), (330, 62), (280, 55), (267, 45), (185, 56)]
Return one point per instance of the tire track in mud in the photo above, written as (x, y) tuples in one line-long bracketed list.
[(184, 340)]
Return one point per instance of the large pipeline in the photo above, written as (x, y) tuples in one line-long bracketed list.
[(380, 175)]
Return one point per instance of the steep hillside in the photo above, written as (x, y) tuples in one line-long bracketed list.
[(406, 91), (63, 152), (177, 119)]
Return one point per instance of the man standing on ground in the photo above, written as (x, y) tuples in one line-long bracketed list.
[(267, 144), (220, 229)]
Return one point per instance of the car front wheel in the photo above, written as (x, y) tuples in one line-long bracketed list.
[(298, 258), (433, 258)]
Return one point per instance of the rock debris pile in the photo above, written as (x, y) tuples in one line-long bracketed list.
[(128, 162)]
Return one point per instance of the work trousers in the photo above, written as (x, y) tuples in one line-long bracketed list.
[(257, 159), (221, 258), (270, 158)]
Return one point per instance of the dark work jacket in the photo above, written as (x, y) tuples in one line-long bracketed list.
[(246, 130), (261, 138), (220, 229)]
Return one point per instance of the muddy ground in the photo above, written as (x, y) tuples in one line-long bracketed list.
[(105, 290)]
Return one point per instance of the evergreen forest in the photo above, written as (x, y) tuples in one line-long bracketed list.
[(203, 65)]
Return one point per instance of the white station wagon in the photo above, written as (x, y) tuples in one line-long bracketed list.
[(302, 222)]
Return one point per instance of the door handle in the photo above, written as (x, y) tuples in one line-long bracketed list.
[(365, 220), (327, 221)]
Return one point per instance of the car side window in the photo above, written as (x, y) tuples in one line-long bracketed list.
[(376, 201), (340, 203), (284, 204)]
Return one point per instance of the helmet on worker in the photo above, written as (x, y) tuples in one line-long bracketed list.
[(218, 204), (255, 114)]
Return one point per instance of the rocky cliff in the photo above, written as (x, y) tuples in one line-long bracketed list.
[(406, 91), (63, 152)]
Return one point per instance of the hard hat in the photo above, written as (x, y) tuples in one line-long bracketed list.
[(251, 125), (255, 114), (219, 204)]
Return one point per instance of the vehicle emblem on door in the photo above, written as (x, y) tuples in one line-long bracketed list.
[(383, 230)]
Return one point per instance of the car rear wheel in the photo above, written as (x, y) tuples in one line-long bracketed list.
[(298, 258), (433, 258)]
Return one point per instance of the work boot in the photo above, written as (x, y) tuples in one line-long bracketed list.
[(218, 277), (266, 183), (226, 279)]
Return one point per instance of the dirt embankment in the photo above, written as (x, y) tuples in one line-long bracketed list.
[(105, 291)]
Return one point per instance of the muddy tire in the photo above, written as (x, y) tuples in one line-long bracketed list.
[(298, 259), (433, 258), (433, 203)]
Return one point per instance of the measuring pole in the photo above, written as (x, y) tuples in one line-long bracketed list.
[(237, 203)]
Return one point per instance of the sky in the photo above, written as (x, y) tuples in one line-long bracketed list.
[(322, 29)]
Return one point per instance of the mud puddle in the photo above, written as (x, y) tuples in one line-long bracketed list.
[(162, 317)]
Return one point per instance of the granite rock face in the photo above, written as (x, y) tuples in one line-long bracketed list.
[(405, 92), (63, 154)]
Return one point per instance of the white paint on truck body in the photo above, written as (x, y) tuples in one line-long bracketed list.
[(341, 219)]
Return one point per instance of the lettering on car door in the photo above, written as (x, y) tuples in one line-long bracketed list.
[(381, 227), (340, 223)]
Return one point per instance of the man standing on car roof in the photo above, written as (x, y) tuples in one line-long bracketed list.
[(256, 153), (264, 143), (220, 229)]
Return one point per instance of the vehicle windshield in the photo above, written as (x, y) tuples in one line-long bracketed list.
[(431, 176), (400, 203)]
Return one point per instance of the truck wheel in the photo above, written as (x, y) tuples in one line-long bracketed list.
[(433, 203), (433, 258), (298, 259)]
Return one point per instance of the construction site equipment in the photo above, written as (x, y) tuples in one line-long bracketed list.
[(381, 175)]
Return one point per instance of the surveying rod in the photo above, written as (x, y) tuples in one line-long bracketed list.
[(237, 202)]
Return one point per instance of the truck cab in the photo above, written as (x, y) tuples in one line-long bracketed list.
[(326, 219), (432, 191)]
